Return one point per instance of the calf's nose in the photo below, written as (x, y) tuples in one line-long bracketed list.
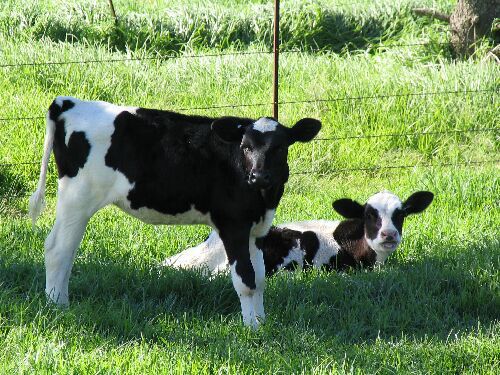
[(389, 235), (260, 178)]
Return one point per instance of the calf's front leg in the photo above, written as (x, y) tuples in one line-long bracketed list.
[(247, 273)]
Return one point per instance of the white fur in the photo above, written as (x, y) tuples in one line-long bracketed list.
[(323, 229), (295, 255), (209, 257), (264, 125), (385, 203)]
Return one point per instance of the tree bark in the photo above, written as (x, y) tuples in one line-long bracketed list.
[(471, 20)]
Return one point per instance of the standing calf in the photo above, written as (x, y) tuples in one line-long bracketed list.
[(166, 168), (370, 234)]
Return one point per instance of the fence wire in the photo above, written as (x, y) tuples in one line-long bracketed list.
[(309, 101), (374, 45), (331, 172), (364, 136)]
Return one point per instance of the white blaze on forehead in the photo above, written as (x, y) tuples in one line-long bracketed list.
[(385, 203), (265, 124)]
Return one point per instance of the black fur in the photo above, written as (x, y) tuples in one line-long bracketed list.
[(276, 247), (69, 158), (353, 253), (309, 243), (176, 161)]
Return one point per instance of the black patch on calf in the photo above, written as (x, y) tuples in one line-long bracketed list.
[(373, 222), (354, 251), (309, 242), (276, 246), (398, 217), (69, 158), (165, 155)]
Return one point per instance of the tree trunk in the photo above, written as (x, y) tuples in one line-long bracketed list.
[(471, 20)]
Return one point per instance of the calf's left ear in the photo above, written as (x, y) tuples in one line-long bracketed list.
[(305, 130), (230, 129), (417, 202)]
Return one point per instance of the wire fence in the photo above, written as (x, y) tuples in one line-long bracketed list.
[(354, 137), (331, 172), (368, 46), (309, 101)]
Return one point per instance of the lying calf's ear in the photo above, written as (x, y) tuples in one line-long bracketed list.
[(417, 202), (348, 208), (305, 130), (230, 129)]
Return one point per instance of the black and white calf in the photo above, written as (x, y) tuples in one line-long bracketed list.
[(166, 168), (370, 234)]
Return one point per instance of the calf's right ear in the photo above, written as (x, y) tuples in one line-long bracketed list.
[(305, 130), (348, 208), (229, 129)]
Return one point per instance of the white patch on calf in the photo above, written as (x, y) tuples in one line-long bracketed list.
[(265, 124), (209, 257), (323, 229), (294, 255), (261, 228), (150, 216), (246, 298), (385, 203)]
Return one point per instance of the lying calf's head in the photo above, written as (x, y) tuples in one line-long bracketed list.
[(264, 146), (383, 216)]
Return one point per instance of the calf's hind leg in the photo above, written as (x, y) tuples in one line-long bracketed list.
[(60, 249)]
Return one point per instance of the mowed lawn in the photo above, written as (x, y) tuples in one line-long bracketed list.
[(433, 308)]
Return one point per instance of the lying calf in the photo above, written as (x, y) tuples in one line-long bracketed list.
[(370, 234)]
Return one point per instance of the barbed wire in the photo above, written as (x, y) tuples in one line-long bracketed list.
[(326, 100), (331, 172), (390, 167), (125, 59), (372, 45), (412, 134), (365, 136)]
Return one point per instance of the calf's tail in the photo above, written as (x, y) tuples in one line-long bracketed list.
[(37, 199)]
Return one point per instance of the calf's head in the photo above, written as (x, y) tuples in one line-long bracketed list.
[(383, 216), (263, 146)]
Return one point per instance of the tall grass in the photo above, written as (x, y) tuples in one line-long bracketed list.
[(165, 27)]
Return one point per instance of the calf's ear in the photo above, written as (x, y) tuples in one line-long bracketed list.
[(305, 130), (349, 209), (417, 202), (230, 129)]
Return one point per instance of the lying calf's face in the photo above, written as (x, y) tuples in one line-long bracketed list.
[(383, 216), (264, 146)]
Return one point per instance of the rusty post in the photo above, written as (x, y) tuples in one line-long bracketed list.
[(276, 56), (113, 11)]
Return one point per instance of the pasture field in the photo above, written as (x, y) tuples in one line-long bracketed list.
[(433, 308)]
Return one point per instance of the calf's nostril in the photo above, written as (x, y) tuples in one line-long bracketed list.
[(388, 235)]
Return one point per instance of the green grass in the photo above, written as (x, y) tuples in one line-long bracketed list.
[(434, 308)]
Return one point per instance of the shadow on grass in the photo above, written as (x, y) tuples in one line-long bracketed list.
[(124, 301)]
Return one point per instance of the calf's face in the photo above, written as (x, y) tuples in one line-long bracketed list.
[(383, 216), (263, 146)]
